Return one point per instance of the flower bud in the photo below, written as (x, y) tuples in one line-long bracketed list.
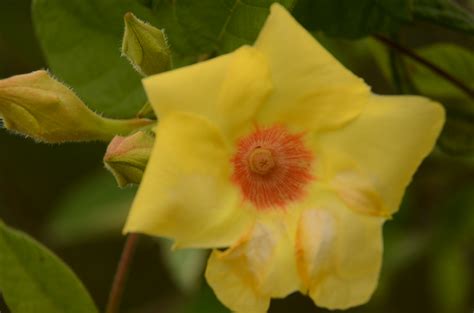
[(38, 106), (145, 46), (126, 157)]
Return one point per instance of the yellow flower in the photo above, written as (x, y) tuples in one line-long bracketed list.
[(280, 153)]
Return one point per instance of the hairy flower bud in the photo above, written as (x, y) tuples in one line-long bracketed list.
[(39, 106), (145, 46), (126, 157)]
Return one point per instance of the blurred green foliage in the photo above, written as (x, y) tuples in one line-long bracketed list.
[(62, 196)]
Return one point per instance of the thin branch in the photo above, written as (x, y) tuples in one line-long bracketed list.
[(447, 76), (118, 286)]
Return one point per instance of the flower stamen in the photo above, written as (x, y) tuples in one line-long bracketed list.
[(272, 167), (261, 161)]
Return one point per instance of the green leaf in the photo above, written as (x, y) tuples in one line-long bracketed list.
[(81, 42), (33, 280), (446, 13), (353, 19), (94, 207), (185, 265), (200, 29), (458, 134), (454, 59)]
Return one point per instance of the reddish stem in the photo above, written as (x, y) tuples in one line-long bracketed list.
[(118, 285)]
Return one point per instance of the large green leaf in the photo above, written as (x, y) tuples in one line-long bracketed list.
[(458, 134), (94, 207), (199, 29), (33, 280), (81, 41), (353, 19), (454, 59), (446, 13)]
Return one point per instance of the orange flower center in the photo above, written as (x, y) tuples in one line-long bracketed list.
[(261, 161), (272, 167)]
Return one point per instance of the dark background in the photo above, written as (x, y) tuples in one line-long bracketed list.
[(429, 257)]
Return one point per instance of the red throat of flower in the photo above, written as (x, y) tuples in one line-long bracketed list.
[(272, 167)]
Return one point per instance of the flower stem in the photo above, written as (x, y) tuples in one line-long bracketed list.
[(120, 278), (426, 63), (112, 127)]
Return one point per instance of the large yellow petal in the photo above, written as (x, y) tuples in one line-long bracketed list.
[(386, 144), (227, 90), (339, 255), (186, 192), (259, 267), (312, 90)]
